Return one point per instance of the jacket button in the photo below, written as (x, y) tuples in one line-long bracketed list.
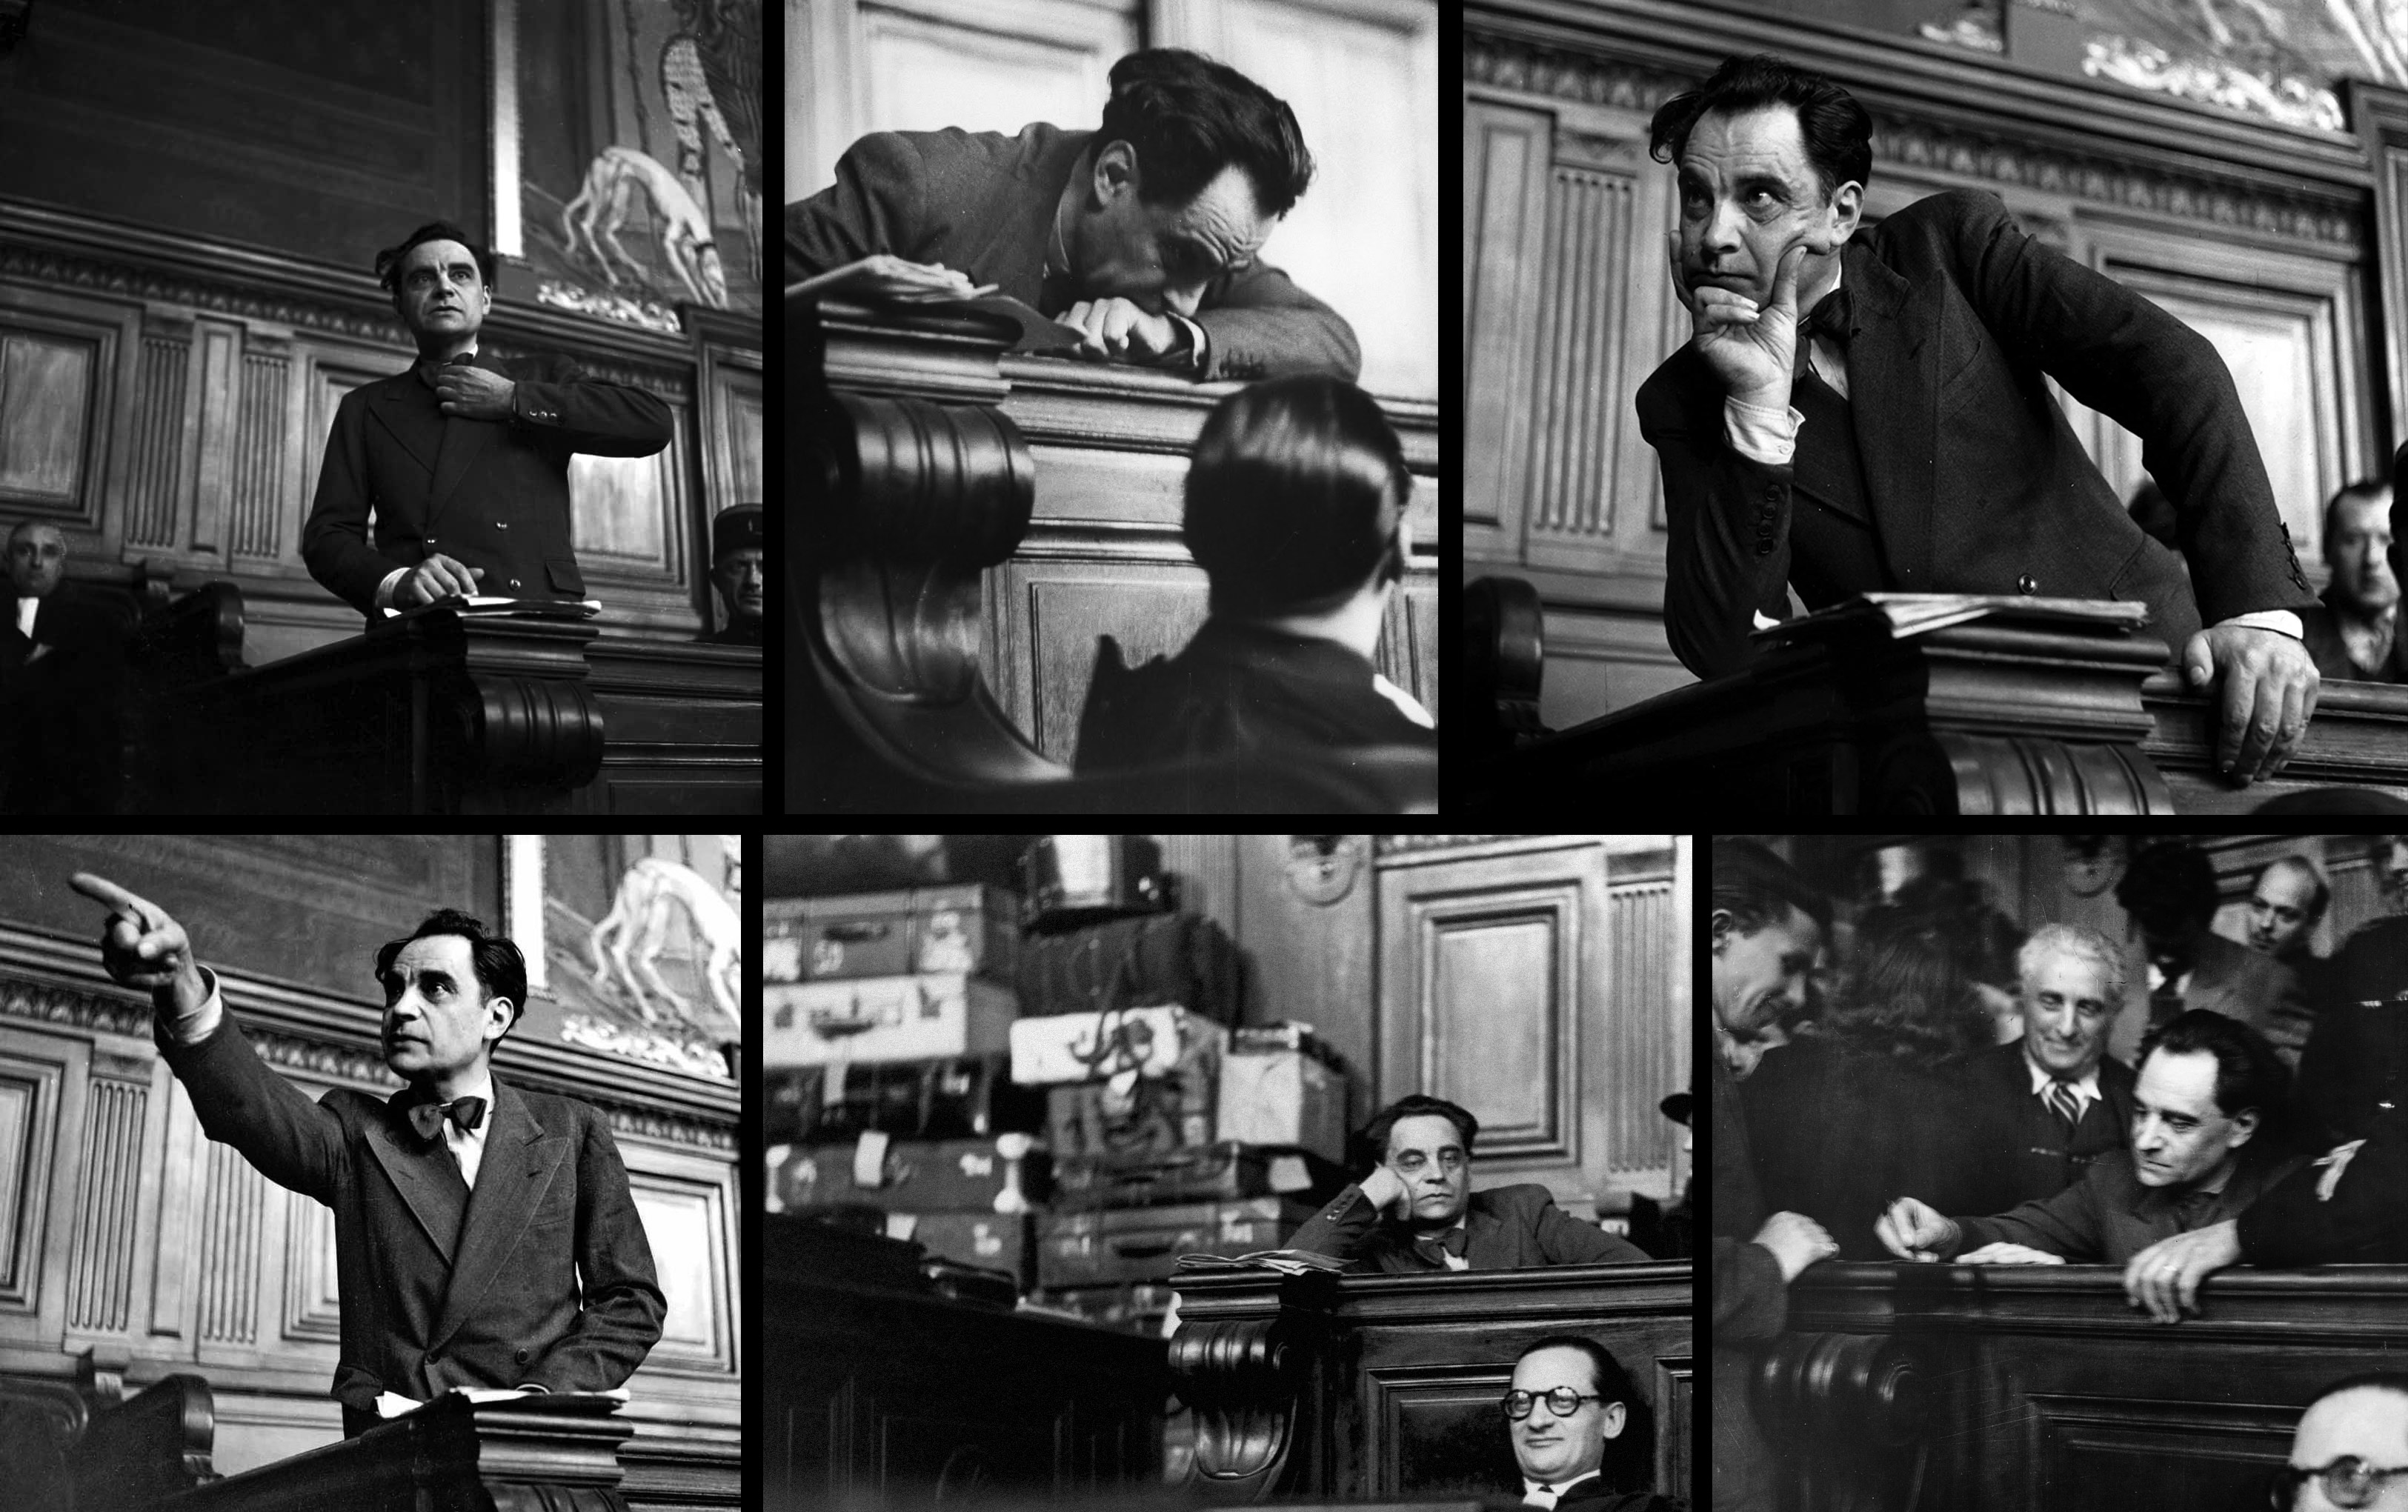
[(430, 541), (2028, 584), (1764, 548), (1772, 494), (504, 524), (523, 1354), (514, 582)]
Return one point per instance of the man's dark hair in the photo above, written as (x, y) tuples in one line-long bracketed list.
[(2365, 488), (1372, 1143), (1756, 887), (1608, 1380), (1293, 497), (1839, 133), (1189, 118), (500, 969), (2171, 883), (388, 262), (2248, 1074)]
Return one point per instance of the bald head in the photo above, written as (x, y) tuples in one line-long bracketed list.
[(2365, 1420), (37, 556), (2284, 905)]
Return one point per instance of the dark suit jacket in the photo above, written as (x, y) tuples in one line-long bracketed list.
[(2037, 1156), (486, 492), (2107, 1217), (1234, 687), (62, 712), (2320, 630), (1751, 1305), (2230, 979), (1975, 482), (1592, 1496), (2365, 1220), (2356, 1059), (984, 204), (1506, 1227), (434, 1297)]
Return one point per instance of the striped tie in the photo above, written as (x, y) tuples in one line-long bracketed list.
[(2067, 1106)]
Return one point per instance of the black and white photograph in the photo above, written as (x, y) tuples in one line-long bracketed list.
[(1142, 1172), (1936, 405), (370, 1171), (2059, 1170), (1114, 406), (380, 406)]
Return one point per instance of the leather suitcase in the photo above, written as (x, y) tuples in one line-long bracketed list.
[(914, 1018), (967, 927), (1144, 1244), (1077, 879), (911, 1175), (1219, 1172), (989, 1241), (1283, 1097), (1144, 1118), (960, 1097), (1133, 963), (1096, 1047)]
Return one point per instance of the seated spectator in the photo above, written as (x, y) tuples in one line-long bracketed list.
[(62, 687), (1415, 1209), (2057, 1097), (1569, 1404), (1876, 1102), (2286, 903), (2355, 1064), (2349, 632), (1296, 503), (2350, 1447), (2170, 890), (2205, 1144)]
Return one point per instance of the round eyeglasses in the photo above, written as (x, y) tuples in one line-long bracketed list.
[(2348, 1482), (1563, 1402)]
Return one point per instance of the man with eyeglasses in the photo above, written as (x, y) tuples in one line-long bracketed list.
[(1416, 1210), (1567, 1401), (2350, 1450)]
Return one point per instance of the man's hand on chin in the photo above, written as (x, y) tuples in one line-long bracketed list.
[(2268, 692), (1119, 330)]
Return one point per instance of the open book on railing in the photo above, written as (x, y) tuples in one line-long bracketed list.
[(1292, 1262), (1902, 615), (889, 280)]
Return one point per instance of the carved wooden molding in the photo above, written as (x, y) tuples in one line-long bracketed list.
[(1589, 77), (1240, 1360), (1850, 1411)]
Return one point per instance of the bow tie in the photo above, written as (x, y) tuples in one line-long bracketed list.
[(1436, 1250), (427, 1117), (1832, 319)]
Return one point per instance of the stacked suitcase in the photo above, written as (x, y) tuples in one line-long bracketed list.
[(1064, 1104)]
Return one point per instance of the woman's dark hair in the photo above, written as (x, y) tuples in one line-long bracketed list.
[(2248, 1074), (500, 969), (1371, 1144), (2170, 884), (1294, 496), (1839, 133), (388, 263), (1905, 995), (1189, 118)]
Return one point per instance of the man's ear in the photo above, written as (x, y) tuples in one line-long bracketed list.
[(2244, 1124), (1616, 1415), (1725, 926), (1116, 172), (500, 1013)]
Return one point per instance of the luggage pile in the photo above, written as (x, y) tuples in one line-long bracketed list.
[(1049, 1092)]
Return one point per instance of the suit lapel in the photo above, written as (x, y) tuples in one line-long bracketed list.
[(426, 1175), (1483, 1239), (464, 442), (1894, 398), (521, 1159), (406, 408)]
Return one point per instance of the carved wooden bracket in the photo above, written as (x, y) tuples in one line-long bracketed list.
[(1240, 1359), (1505, 656), (1850, 1410)]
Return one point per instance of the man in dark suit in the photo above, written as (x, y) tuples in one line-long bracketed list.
[(1416, 1211), (736, 571), (2057, 1098), (1144, 234), (2170, 891), (1568, 1403), (471, 1250), (62, 687), (463, 459), (2349, 632), (1911, 443)]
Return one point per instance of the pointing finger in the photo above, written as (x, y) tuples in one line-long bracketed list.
[(102, 890)]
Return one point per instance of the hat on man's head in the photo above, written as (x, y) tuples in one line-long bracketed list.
[(1676, 1108), (738, 526)]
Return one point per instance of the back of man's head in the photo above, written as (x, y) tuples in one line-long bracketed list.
[(1294, 497), (1189, 118)]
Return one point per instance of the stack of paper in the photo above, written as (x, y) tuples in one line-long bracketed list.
[(547, 608), (1288, 1261), (1916, 614)]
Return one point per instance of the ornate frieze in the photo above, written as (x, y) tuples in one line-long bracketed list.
[(1507, 63)]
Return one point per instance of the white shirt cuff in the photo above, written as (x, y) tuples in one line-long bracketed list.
[(1761, 432), (2282, 621), (384, 589), (1195, 342), (203, 1022)]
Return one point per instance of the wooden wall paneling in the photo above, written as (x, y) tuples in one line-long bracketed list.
[(231, 1222), (2379, 116), (1311, 953), (176, 1265), (37, 1074), (823, 64), (1206, 868), (1053, 612), (1507, 151), (986, 64), (109, 1188), (1638, 1023), (67, 363), (160, 434)]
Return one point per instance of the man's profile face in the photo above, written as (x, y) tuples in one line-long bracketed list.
[(439, 292), (738, 574), (2357, 549), (1758, 976), (1748, 192), (2179, 1135), (2066, 1014), (2366, 1423), (1161, 256), (37, 555), (1426, 1153), (1553, 1448), (437, 1016), (2279, 907)]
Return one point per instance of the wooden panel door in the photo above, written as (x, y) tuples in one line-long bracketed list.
[(1542, 984)]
